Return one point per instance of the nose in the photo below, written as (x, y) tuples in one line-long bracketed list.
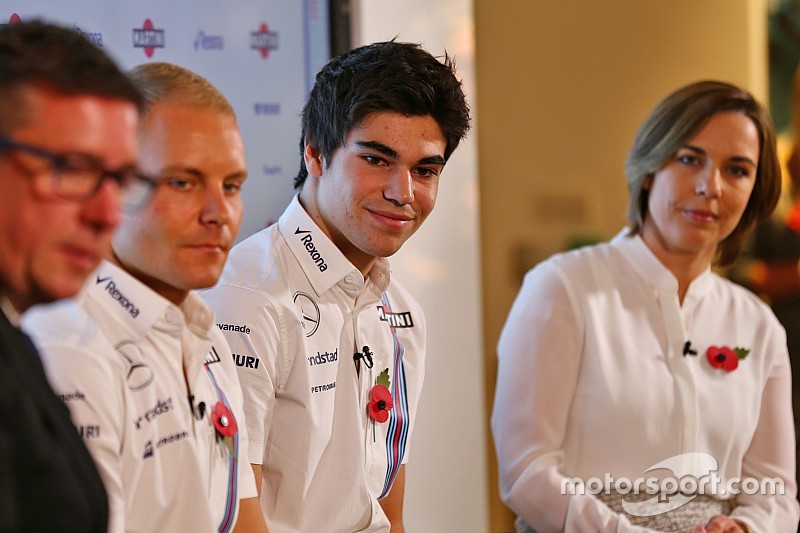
[(709, 183), (102, 210), (216, 207), (400, 187)]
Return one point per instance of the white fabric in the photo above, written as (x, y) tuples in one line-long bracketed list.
[(117, 357), (592, 380), (294, 311)]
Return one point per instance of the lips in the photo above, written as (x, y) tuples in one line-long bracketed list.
[(700, 215), (400, 217), (209, 246), (85, 257)]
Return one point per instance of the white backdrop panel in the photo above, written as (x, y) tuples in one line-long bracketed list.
[(262, 54)]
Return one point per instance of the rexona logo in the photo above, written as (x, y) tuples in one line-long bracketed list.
[(312, 250), (96, 38), (263, 40), (149, 38), (396, 320), (115, 293), (203, 41)]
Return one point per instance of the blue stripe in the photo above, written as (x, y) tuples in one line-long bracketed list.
[(232, 498), (397, 432)]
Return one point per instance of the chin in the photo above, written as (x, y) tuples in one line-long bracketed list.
[(59, 291), (202, 281)]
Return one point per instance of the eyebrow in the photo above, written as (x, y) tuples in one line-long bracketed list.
[(390, 152), (197, 173), (737, 158)]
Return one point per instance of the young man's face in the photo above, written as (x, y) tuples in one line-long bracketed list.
[(379, 186), (180, 239), (48, 245)]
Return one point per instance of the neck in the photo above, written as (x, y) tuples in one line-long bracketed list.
[(362, 261), (685, 266), (12, 312), (174, 295), (685, 271)]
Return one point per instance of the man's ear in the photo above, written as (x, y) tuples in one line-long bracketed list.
[(313, 160)]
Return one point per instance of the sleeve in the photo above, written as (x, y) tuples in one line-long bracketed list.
[(9, 514), (771, 456), (252, 325), (539, 356), (90, 388), (419, 379)]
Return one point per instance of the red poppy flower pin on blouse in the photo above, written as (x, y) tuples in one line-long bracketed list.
[(725, 358), (225, 424)]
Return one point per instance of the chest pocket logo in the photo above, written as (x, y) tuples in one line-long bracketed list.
[(309, 312), (139, 375)]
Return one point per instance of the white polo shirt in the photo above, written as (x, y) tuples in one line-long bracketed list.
[(117, 356), (602, 371), (294, 311)]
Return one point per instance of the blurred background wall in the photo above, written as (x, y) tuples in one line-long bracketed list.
[(561, 90)]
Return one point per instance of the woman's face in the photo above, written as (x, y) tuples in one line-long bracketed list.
[(697, 198)]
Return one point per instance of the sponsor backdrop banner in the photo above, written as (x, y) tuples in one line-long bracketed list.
[(262, 54)]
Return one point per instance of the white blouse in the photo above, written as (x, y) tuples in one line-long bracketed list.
[(593, 381)]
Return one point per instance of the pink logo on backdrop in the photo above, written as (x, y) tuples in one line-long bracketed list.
[(264, 40), (149, 38)]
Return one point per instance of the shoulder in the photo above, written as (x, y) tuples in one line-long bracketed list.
[(739, 300), (401, 300), (253, 273), (573, 266), (64, 324), (74, 349), (253, 259)]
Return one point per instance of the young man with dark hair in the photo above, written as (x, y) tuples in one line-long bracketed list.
[(330, 348), (151, 380), (68, 120)]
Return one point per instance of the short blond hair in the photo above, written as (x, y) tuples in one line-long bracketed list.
[(167, 83)]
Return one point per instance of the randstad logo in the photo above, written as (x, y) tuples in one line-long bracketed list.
[(312, 250), (693, 474), (149, 38)]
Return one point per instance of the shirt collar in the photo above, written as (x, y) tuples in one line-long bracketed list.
[(136, 307), (650, 268), (10, 311), (322, 262)]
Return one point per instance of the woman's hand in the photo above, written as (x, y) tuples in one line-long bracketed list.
[(720, 524)]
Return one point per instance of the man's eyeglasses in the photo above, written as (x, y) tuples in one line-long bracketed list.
[(77, 176)]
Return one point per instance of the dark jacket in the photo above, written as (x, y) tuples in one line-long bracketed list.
[(48, 481)]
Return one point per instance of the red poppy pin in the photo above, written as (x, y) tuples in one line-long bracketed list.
[(380, 403), (724, 358), (225, 424), (380, 400)]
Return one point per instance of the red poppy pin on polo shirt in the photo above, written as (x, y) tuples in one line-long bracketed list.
[(380, 400), (225, 425)]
